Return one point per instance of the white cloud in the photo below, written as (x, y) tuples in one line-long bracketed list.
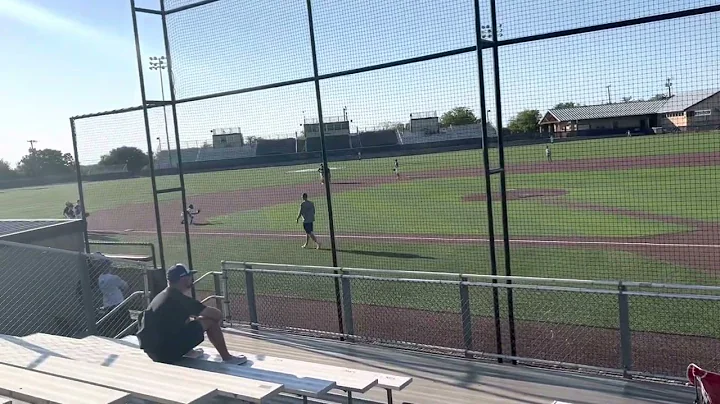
[(45, 19)]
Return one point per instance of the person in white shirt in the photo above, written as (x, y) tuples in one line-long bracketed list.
[(113, 289)]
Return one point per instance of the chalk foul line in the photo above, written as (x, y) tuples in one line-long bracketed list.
[(422, 238)]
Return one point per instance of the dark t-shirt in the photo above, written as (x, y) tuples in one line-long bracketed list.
[(166, 316)]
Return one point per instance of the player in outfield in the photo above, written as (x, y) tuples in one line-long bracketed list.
[(307, 212)]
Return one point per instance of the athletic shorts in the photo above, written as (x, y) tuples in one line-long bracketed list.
[(174, 348), (308, 227)]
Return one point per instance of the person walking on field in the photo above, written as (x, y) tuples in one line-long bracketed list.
[(307, 212), (548, 153)]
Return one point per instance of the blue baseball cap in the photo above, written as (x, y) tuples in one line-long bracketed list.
[(177, 272)]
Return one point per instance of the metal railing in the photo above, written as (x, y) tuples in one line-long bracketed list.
[(120, 244), (628, 328)]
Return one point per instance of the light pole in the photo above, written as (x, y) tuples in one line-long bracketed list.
[(609, 99), (158, 63)]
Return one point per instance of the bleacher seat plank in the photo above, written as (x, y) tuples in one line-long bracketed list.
[(305, 386), (346, 379), (166, 391), (111, 355), (33, 386)]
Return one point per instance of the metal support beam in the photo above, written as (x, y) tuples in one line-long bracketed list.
[(328, 194), (503, 183), (169, 190), (173, 109), (147, 10), (189, 6), (78, 177), (488, 183), (151, 163)]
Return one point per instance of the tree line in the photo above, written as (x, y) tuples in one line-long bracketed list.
[(51, 162)]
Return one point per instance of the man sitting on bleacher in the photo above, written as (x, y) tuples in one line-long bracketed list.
[(174, 323)]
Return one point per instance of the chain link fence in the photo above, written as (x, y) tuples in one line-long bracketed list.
[(61, 292), (619, 327)]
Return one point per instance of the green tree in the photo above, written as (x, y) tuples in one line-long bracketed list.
[(6, 172), (134, 158), (567, 105), (458, 116), (525, 121), (45, 162)]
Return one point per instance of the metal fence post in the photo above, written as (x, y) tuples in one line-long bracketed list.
[(250, 292), (146, 287), (625, 340), (466, 316), (81, 194), (86, 294), (217, 288), (226, 295), (347, 305)]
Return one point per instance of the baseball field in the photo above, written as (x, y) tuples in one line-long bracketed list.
[(640, 208), (634, 209)]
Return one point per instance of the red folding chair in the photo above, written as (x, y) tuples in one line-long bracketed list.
[(707, 384)]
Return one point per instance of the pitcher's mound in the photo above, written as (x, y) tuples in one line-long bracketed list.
[(515, 194)]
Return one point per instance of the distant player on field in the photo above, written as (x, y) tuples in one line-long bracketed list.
[(307, 212), (396, 168), (190, 214), (322, 172), (69, 211), (548, 153)]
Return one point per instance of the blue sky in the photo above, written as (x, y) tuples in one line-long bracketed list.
[(78, 56)]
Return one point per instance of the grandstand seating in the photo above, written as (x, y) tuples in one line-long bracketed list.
[(224, 153), (387, 137), (275, 146), (334, 142), (452, 133)]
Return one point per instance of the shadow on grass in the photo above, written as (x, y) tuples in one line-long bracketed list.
[(203, 224), (386, 254)]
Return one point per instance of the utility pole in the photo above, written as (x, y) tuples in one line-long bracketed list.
[(32, 144), (344, 113), (609, 99), (668, 84), (158, 63)]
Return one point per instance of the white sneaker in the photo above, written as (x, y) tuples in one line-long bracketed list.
[(236, 360), (304, 246), (195, 353)]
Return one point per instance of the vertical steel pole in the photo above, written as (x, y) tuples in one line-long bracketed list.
[(167, 132), (78, 176), (250, 295), (466, 316), (488, 183), (151, 164), (625, 332), (326, 175), (173, 109), (87, 298), (503, 187)]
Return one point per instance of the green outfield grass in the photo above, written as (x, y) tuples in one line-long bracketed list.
[(46, 202), (437, 207)]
